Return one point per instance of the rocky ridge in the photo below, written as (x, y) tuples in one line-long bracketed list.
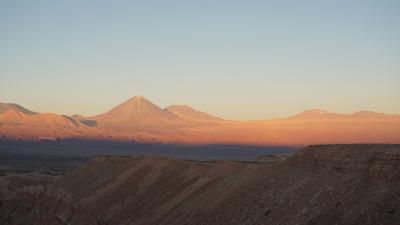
[(324, 184)]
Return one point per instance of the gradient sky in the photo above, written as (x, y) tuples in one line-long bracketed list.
[(236, 59)]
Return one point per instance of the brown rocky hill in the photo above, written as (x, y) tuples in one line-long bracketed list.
[(324, 184)]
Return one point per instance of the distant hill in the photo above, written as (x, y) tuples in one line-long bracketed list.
[(137, 111), (187, 113), (16, 114), (21, 123), (139, 120), (5, 107)]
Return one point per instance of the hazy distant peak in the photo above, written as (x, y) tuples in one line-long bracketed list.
[(367, 113), (188, 113), (135, 100), (322, 114), (4, 107), (138, 110), (136, 103), (316, 111), (138, 98), (313, 113)]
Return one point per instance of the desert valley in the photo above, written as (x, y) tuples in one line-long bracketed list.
[(199, 112), (141, 164)]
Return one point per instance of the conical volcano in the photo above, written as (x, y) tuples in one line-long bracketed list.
[(137, 111)]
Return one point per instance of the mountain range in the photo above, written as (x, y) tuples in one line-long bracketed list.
[(139, 120)]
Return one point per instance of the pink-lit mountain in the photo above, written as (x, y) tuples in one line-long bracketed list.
[(140, 120)]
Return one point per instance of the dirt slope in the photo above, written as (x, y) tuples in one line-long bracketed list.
[(327, 184)]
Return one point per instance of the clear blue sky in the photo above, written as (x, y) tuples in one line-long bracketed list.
[(236, 59)]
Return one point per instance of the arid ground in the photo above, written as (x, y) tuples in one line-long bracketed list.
[(322, 184)]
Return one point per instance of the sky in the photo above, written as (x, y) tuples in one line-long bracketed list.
[(236, 59)]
